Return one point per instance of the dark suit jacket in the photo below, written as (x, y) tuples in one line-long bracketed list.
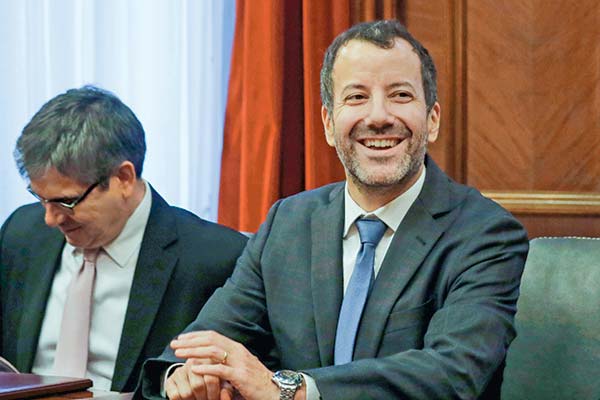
[(439, 318), (182, 260)]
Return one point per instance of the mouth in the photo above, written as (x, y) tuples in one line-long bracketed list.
[(380, 144), (70, 230)]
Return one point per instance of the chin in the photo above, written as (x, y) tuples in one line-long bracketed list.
[(382, 178), (74, 242), (78, 241), (386, 179)]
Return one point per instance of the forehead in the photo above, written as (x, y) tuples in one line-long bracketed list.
[(364, 63), (54, 184)]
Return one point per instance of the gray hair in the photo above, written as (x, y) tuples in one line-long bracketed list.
[(85, 134), (382, 34)]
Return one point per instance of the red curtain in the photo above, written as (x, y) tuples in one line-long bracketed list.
[(274, 144)]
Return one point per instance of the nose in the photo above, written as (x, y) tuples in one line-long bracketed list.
[(379, 116), (53, 216)]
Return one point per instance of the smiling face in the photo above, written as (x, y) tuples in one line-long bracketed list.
[(379, 124), (99, 218)]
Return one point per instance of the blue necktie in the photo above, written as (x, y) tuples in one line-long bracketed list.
[(371, 231)]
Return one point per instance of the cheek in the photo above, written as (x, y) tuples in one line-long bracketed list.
[(412, 116), (347, 117)]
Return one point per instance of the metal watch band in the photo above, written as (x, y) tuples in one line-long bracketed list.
[(287, 393)]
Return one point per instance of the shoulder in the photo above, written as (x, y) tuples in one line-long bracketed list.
[(464, 214), (25, 223), (481, 229), (25, 238), (442, 195), (190, 235), (307, 201), (478, 208), (167, 220), (191, 226), (32, 213)]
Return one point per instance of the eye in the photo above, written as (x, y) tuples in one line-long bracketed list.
[(355, 98), (64, 200), (402, 96)]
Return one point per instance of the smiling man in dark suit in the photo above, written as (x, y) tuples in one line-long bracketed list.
[(430, 317), (154, 265)]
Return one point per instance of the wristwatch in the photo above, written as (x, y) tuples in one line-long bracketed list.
[(288, 382)]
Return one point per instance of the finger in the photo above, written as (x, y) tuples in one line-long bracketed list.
[(178, 386), (222, 371), (195, 334), (227, 391), (189, 342), (213, 387), (197, 385), (171, 390), (191, 339), (202, 338), (226, 395), (216, 354)]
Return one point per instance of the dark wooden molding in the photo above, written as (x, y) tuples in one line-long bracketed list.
[(459, 91), (547, 202)]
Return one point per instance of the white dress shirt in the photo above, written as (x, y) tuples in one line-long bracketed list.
[(392, 215), (115, 267)]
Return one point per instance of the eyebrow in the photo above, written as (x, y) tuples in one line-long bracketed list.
[(400, 85), (353, 86), (394, 85)]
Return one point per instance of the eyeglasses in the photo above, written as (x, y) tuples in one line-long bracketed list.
[(66, 202)]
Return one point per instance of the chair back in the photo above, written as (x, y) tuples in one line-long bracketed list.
[(556, 354)]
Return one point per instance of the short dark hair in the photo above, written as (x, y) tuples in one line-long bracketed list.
[(382, 34), (84, 134)]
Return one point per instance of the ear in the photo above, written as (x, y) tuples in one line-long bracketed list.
[(328, 126), (433, 122), (126, 178)]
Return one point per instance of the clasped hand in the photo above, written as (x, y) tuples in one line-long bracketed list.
[(218, 368)]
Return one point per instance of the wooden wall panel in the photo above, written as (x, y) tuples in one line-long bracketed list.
[(499, 85), (533, 82), (519, 85)]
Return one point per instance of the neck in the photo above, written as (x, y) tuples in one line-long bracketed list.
[(136, 198), (372, 197)]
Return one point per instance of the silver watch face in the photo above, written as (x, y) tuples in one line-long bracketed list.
[(288, 378)]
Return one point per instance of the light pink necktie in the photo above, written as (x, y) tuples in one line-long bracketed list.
[(72, 348)]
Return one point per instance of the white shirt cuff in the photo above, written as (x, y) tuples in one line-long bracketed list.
[(166, 375), (312, 392)]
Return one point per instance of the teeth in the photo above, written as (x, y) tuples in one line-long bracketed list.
[(381, 143)]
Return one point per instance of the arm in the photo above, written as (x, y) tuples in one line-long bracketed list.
[(238, 310), (3, 277)]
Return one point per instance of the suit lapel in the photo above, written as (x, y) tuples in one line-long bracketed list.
[(416, 235), (38, 281), (326, 270), (152, 275)]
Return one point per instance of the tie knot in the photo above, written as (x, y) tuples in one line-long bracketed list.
[(90, 255), (370, 230)]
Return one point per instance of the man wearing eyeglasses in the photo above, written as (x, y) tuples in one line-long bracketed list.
[(102, 272)]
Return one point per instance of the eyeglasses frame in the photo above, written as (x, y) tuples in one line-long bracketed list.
[(60, 202)]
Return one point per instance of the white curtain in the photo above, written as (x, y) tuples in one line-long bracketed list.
[(166, 59)]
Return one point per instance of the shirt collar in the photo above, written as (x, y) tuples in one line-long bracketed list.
[(130, 239), (391, 213)]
